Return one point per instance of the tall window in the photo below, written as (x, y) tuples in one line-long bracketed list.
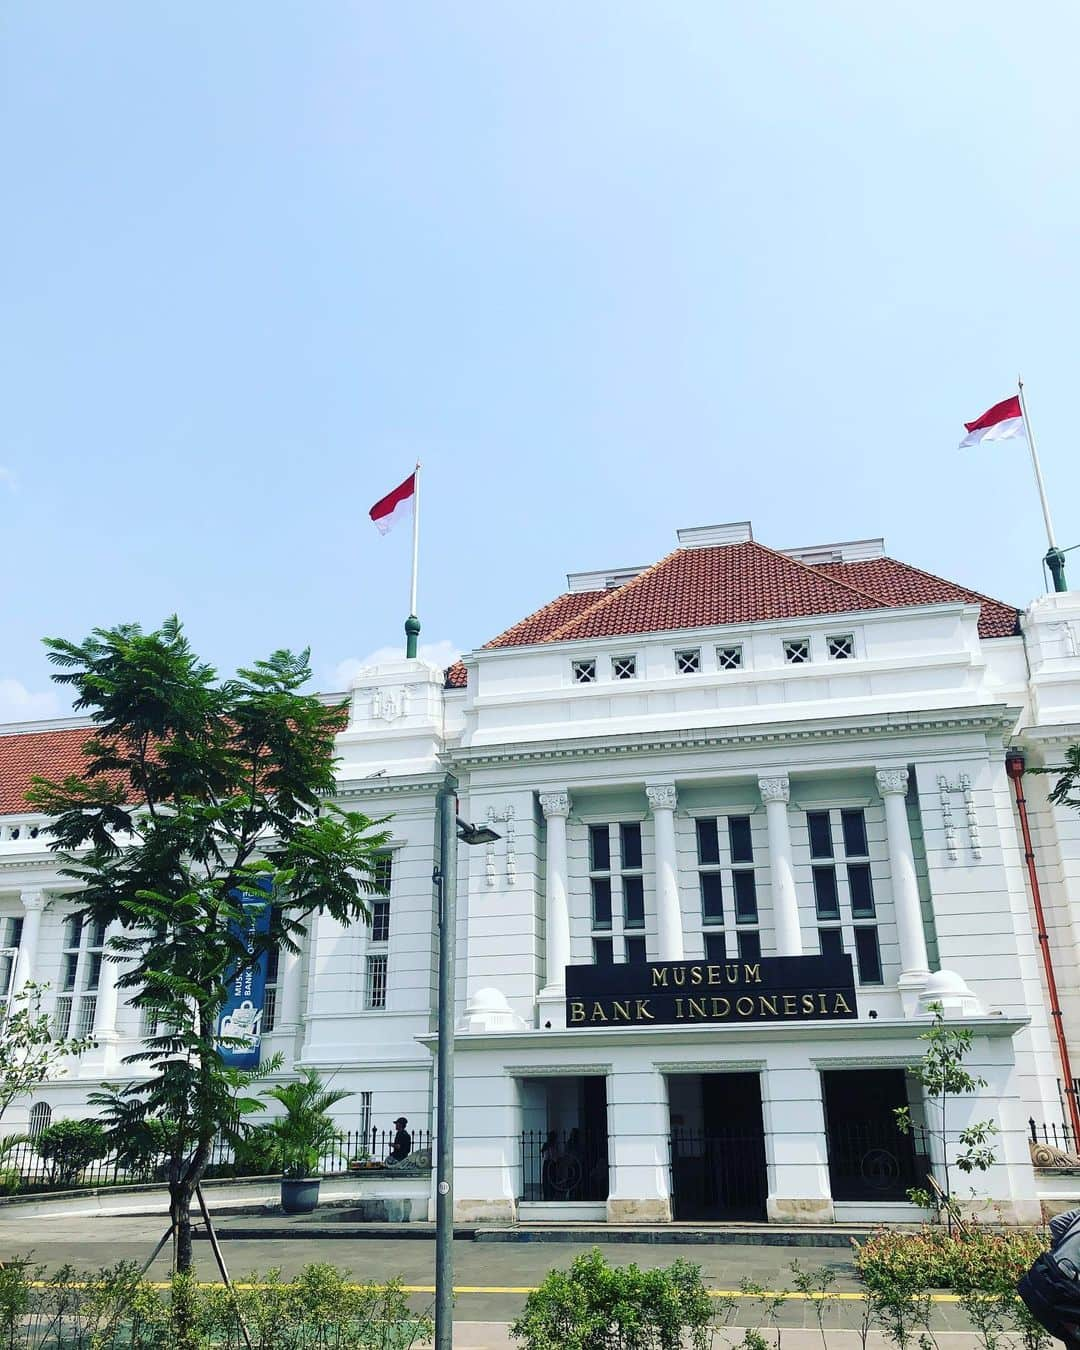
[(365, 1115), (40, 1119), (80, 973), (844, 890), (378, 947), (270, 992), (617, 887), (375, 995), (10, 938), (729, 909)]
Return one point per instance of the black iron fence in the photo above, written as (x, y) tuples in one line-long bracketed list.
[(1056, 1136), (564, 1165), (718, 1174), (874, 1160), (23, 1169)]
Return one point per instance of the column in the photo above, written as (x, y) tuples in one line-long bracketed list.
[(774, 793), (33, 903), (107, 997), (556, 807), (288, 1008), (662, 799), (914, 969)]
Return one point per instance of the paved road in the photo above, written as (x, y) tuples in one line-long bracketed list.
[(491, 1279)]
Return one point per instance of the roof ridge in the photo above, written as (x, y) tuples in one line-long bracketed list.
[(536, 614), (806, 567), (958, 585), (617, 591)]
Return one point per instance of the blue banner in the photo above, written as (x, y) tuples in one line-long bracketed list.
[(242, 1012)]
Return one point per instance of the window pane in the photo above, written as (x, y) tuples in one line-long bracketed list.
[(633, 902), (854, 823), (817, 822), (750, 946), (869, 957), (635, 951), (708, 843), (745, 897), (742, 848), (273, 960), (380, 921), (98, 937), (830, 941), (72, 930), (7, 971), (630, 839), (383, 871), (376, 982), (825, 893), (71, 961), (712, 898), (601, 902), (862, 891), (599, 849), (715, 949), (601, 948), (93, 970)]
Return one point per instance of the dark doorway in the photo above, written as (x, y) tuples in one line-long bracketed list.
[(564, 1146), (717, 1147), (869, 1158)]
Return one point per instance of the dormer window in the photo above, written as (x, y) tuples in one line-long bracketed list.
[(624, 667), (584, 672), (840, 646), (797, 652), (729, 658), (688, 661)]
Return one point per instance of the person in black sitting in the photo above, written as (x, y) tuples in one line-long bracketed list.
[(402, 1145)]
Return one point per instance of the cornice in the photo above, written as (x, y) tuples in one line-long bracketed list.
[(995, 718), (388, 785)]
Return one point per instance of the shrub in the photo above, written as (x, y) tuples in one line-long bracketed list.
[(594, 1306), (68, 1146), (988, 1260), (10, 1180)]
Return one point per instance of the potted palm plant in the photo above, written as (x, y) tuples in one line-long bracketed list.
[(301, 1136)]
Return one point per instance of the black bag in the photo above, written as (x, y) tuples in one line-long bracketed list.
[(1051, 1288)]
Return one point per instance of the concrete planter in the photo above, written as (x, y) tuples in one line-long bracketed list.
[(299, 1196)]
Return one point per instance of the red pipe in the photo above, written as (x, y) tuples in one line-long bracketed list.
[(1014, 767)]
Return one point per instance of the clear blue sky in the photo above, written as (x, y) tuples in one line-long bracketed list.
[(607, 268)]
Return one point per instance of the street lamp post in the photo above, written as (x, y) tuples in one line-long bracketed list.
[(451, 829)]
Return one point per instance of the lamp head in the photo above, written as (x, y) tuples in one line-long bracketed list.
[(475, 834)]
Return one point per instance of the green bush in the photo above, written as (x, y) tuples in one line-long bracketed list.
[(986, 1260), (68, 1146), (594, 1306), (10, 1180)]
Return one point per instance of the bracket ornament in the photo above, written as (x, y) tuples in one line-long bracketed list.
[(506, 817), (945, 791)]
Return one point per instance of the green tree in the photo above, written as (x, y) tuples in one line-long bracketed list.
[(943, 1077), (68, 1145), (194, 791), (29, 1052), (306, 1129)]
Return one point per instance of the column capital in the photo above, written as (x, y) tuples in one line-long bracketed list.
[(892, 782), (774, 789), (33, 901), (661, 796), (555, 804)]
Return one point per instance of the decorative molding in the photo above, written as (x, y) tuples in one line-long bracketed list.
[(661, 796), (776, 789), (892, 782), (945, 790), (996, 719), (34, 900), (388, 705), (506, 817), (555, 804)]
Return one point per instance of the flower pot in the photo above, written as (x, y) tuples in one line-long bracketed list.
[(300, 1195)]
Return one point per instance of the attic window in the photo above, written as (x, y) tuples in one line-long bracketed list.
[(584, 672), (624, 667), (840, 646), (729, 658), (688, 661), (797, 652)]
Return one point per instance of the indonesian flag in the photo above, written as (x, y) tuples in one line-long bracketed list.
[(395, 505), (1003, 421)]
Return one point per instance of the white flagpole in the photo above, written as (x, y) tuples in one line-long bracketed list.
[(1037, 467), (412, 623)]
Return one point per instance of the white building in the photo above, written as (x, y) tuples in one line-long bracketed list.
[(733, 755)]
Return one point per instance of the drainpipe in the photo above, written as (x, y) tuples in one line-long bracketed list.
[(1014, 767)]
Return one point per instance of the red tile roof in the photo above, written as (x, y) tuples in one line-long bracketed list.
[(737, 584), (898, 583), (52, 754)]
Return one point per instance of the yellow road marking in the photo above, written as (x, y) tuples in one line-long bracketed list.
[(847, 1296)]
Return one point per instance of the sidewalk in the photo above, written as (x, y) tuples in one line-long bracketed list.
[(496, 1336)]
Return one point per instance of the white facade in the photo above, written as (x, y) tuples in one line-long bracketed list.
[(902, 738)]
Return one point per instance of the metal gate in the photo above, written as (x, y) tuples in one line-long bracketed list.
[(718, 1174), (872, 1160)]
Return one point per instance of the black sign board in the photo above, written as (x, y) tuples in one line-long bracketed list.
[(771, 989)]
